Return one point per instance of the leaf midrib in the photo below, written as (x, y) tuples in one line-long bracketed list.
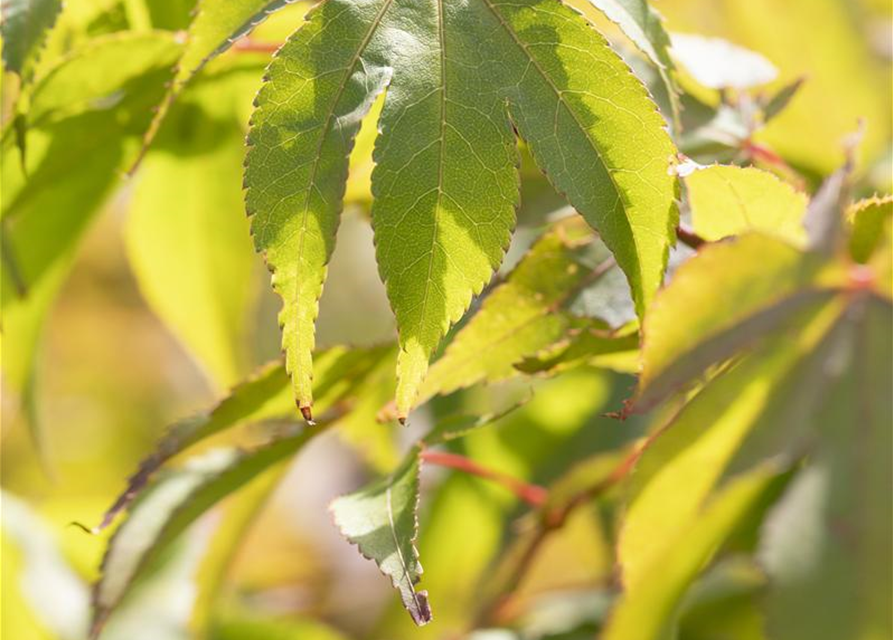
[(438, 204), (373, 27), (560, 97)]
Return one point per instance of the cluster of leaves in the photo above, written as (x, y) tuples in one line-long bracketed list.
[(763, 360)]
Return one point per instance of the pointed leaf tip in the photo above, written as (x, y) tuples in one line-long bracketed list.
[(308, 415)]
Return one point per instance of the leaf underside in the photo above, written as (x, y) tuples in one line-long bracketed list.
[(382, 521), (460, 79)]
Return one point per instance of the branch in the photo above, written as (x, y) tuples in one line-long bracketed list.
[(549, 518), (532, 494), (689, 238)]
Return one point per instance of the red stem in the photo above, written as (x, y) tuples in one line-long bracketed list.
[(532, 494)]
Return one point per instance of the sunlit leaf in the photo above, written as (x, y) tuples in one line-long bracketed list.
[(720, 301), (729, 200), (644, 26), (699, 444), (340, 371), (647, 608), (445, 184), (868, 218), (522, 315), (718, 63), (187, 237), (47, 207)]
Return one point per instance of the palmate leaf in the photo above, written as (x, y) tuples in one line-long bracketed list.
[(458, 76)]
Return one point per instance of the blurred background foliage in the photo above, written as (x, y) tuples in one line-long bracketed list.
[(156, 304)]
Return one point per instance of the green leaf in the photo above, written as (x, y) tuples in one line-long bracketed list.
[(186, 235), (308, 112), (723, 299), (381, 520), (445, 183), (868, 218), (644, 26), (520, 316), (48, 205), (216, 26), (595, 345), (696, 448), (171, 506), (647, 609), (24, 27), (827, 546), (729, 200), (340, 372)]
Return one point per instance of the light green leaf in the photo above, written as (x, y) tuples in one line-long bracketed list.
[(520, 316), (24, 27), (381, 520), (729, 201), (171, 506), (721, 300), (216, 26), (445, 183), (647, 609), (187, 236), (868, 218), (46, 211), (644, 26)]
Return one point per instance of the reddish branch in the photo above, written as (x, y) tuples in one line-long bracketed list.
[(689, 237), (532, 494)]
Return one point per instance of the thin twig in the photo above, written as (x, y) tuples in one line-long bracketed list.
[(550, 519), (532, 494), (689, 237)]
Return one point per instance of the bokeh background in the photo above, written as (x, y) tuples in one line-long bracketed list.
[(120, 357)]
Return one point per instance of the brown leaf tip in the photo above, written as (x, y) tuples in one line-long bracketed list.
[(308, 415), (421, 613)]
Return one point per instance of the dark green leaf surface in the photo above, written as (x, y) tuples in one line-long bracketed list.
[(24, 27), (445, 182)]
